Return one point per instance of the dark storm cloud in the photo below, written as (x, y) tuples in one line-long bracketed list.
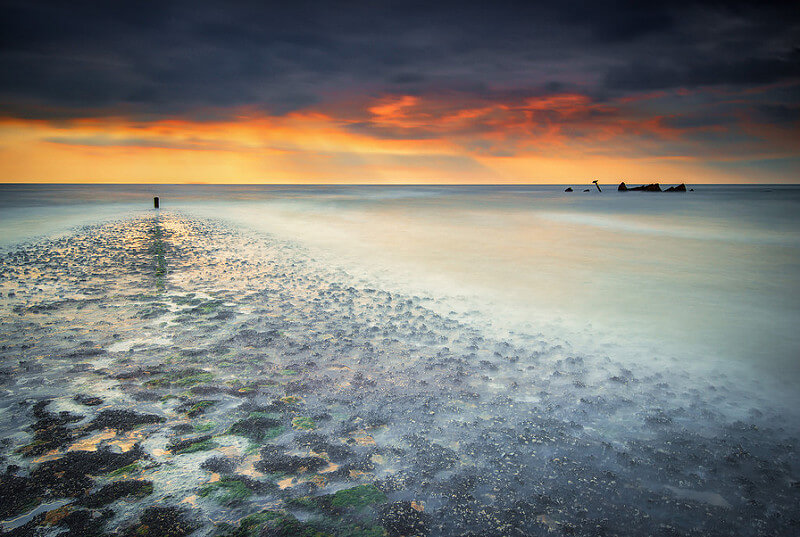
[(779, 113), (155, 59), (661, 73)]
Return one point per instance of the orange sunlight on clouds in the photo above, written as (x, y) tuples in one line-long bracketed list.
[(562, 138)]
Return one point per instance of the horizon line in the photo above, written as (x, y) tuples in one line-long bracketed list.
[(203, 183)]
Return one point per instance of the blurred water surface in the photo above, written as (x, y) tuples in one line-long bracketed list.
[(711, 276)]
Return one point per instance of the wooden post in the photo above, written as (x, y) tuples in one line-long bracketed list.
[(155, 202)]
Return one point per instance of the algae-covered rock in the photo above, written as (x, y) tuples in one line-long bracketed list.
[(304, 423), (357, 497), (87, 400), (192, 445), (49, 430), (122, 420), (69, 475), (117, 490), (274, 460), (226, 491), (17, 495), (256, 428), (219, 465), (196, 408), (84, 522), (162, 522)]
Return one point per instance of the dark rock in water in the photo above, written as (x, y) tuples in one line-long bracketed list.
[(336, 452), (254, 338), (87, 400), (680, 188), (69, 475), (145, 396), (196, 408), (85, 523), (652, 187), (622, 187), (274, 460), (346, 471), (322, 416), (254, 427), (568, 189), (219, 465), (122, 420), (183, 428), (49, 431), (117, 490), (84, 352), (587, 190), (404, 519), (190, 444), (310, 439), (278, 406), (297, 387), (17, 494), (162, 522), (127, 375), (209, 390)]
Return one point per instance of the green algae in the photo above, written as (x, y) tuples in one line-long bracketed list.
[(205, 427), (133, 467), (157, 383), (194, 379), (286, 525), (357, 530), (258, 427), (269, 415), (226, 491), (202, 445), (199, 408), (183, 379), (203, 308), (360, 496), (251, 525), (274, 432), (304, 423), (186, 300)]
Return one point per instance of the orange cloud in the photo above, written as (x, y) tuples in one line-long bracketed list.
[(394, 139)]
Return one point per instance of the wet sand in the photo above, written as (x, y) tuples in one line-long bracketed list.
[(165, 375)]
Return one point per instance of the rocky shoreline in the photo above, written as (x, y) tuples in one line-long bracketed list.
[(167, 376)]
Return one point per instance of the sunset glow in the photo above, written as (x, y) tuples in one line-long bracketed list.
[(503, 115)]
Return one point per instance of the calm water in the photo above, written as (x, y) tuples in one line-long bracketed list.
[(439, 361), (706, 276)]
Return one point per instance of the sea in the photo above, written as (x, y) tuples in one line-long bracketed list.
[(706, 276), (647, 332)]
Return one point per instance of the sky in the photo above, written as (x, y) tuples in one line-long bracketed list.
[(399, 92)]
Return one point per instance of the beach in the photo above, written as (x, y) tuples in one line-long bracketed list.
[(388, 362)]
